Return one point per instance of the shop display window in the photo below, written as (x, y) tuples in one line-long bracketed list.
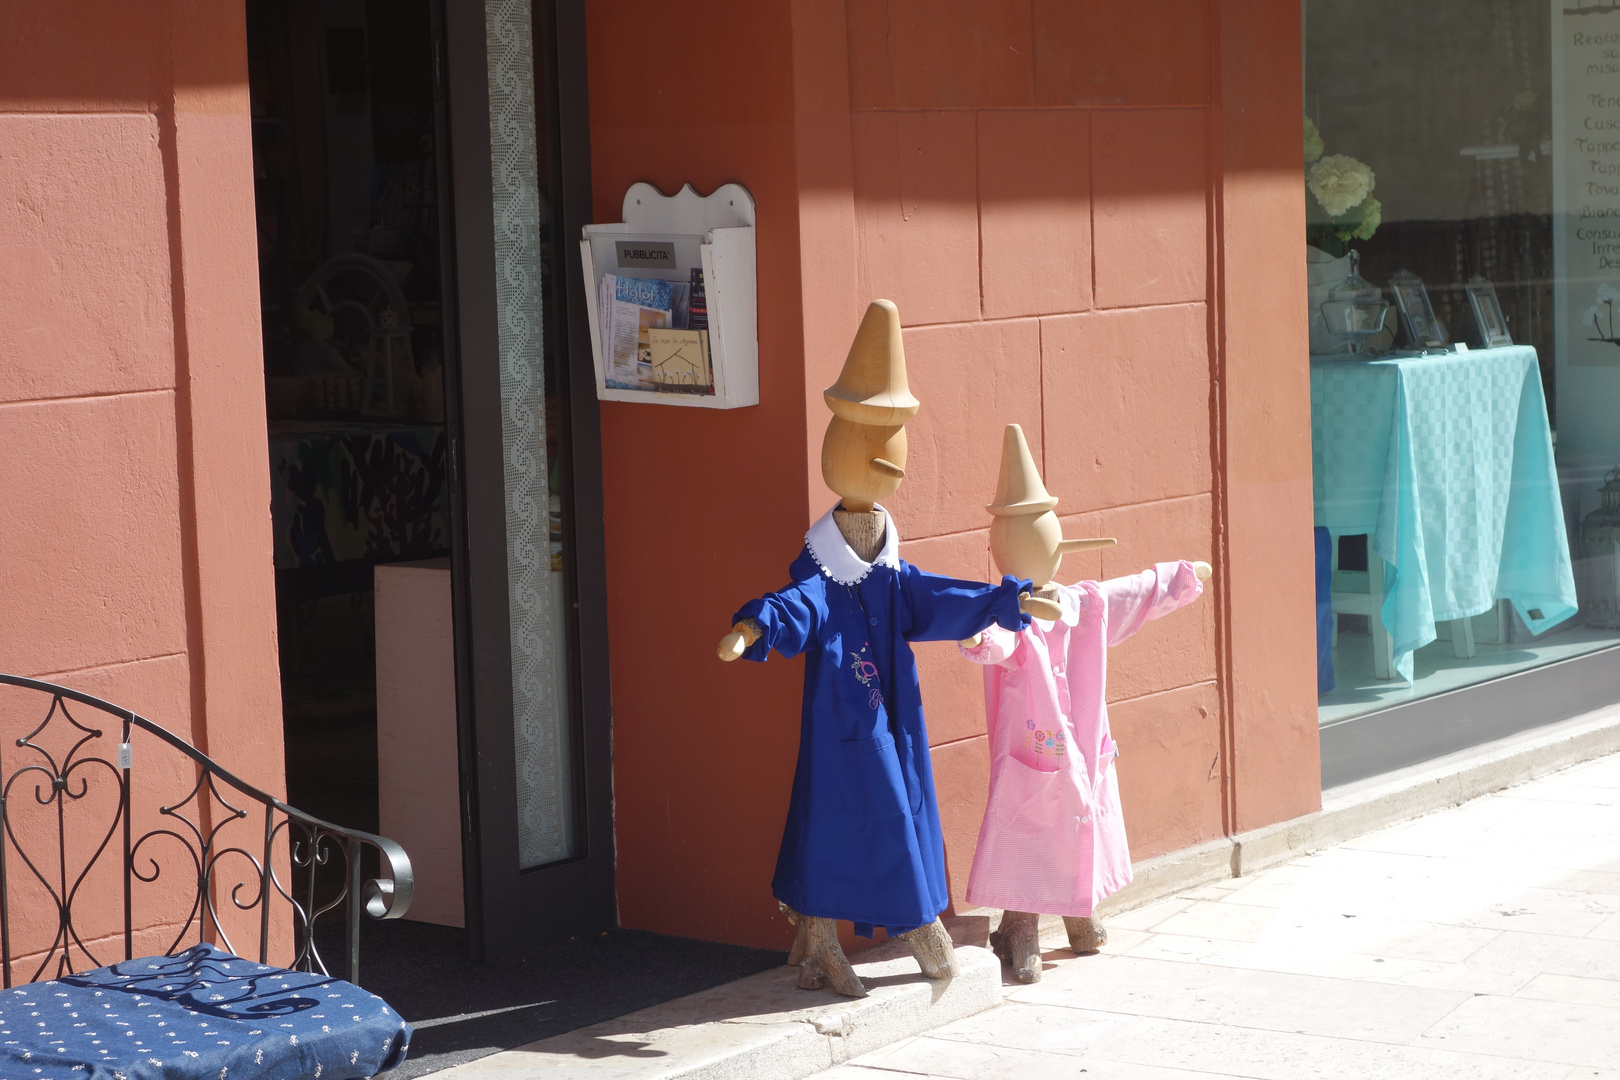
[(1462, 244)]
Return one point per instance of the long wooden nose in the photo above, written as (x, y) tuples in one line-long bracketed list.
[(1069, 547), (888, 468)]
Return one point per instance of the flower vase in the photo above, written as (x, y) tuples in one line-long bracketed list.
[(1322, 273)]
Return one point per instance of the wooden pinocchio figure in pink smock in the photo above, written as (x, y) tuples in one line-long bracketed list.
[(1053, 838)]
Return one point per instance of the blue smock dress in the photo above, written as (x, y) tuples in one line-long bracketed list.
[(862, 840)]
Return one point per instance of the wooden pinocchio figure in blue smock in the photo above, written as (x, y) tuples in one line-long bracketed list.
[(862, 840)]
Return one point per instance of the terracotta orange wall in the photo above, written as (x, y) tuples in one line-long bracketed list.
[(135, 545), (1089, 222)]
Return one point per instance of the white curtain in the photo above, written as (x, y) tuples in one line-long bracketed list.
[(544, 782)]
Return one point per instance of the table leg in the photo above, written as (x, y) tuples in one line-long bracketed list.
[(1462, 638), (1383, 644)]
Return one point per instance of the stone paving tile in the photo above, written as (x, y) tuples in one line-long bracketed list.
[(1299, 940), (1385, 1012), (1272, 1055), (1544, 954), (1593, 794), (1049, 1028), (1149, 916), (927, 1056), (1573, 989), (1554, 1031), (1468, 899), (1431, 973)]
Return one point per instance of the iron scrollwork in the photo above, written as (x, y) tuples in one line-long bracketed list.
[(244, 868)]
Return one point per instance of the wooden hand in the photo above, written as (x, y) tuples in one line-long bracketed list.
[(972, 642), (1040, 607), (734, 644), (1203, 570)]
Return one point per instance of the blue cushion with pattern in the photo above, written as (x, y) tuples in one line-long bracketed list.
[(201, 1015)]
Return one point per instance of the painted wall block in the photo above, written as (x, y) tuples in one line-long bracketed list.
[(1149, 195), (699, 862), (1276, 771), (960, 769), (1178, 649), (916, 213), (952, 688), (1126, 405), (1034, 212), (84, 256), (1169, 768), (941, 54), (973, 379), (1121, 54), (92, 573), (159, 689), (85, 55)]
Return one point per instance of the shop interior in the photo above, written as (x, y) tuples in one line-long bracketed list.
[(346, 185), (1451, 106)]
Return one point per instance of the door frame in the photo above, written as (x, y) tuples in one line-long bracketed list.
[(506, 906)]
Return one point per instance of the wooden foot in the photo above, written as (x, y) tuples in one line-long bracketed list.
[(801, 944), (1087, 935), (932, 947), (1018, 942), (819, 957)]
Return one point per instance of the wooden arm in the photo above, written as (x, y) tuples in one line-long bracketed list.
[(1069, 547)]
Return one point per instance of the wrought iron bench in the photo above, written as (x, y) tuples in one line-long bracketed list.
[(159, 879)]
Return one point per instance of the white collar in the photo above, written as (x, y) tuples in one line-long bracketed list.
[(1069, 599), (838, 560)]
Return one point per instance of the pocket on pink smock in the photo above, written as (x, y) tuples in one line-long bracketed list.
[(1106, 794), (1032, 799)]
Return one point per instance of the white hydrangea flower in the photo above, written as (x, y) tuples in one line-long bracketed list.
[(1339, 182)]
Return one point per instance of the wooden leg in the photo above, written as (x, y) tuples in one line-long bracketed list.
[(1462, 638), (1087, 935), (1383, 644), (1018, 942), (821, 959), (935, 953), (1333, 569)]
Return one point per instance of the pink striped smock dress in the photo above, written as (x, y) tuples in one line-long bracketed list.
[(1053, 838)]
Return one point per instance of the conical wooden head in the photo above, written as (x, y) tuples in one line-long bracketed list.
[(1020, 489), (872, 387)]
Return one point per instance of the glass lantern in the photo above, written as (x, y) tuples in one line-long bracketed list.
[(1354, 309)]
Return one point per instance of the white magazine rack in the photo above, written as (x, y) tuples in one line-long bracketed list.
[(686, 229)]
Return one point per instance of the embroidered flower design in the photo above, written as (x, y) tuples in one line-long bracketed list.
[(866, 673)]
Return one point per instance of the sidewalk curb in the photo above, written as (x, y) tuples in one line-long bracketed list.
[(763, 1027), (1369, 805)]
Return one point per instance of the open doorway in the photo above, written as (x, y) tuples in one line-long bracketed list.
[(348, 181)]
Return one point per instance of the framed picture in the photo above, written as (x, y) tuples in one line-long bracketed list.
[(1423, 329), (1490, 328)]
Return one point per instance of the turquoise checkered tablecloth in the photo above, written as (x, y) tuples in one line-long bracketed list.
[(1447, 463)]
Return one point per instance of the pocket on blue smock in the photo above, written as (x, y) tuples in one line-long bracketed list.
[(906, 751), (869, 779)]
